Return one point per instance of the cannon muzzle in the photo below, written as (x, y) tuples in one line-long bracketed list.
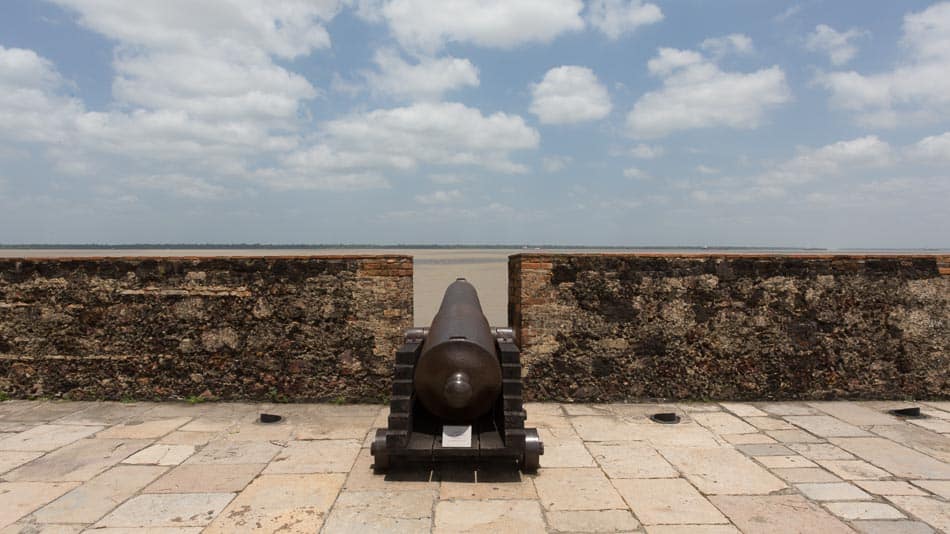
[(458, 375)]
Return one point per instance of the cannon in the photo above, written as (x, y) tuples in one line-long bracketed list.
[(457, 392)]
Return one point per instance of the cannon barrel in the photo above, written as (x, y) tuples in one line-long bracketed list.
[(458, 375)]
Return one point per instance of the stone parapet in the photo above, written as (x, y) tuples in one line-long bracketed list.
[(611, 327), (265, 328)]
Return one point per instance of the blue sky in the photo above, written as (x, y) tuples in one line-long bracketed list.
[(607, 122)]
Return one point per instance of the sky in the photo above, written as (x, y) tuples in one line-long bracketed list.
[(821, 123)]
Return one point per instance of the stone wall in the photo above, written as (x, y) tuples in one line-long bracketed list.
[(625, 327), (290, 328)]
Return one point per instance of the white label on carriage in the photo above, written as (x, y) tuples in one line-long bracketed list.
[(457, 436)]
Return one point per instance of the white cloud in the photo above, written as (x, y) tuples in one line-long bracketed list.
[(933, 149), (734, 43), (440, 197), (788, 13), (831, 160), (31, 105), (446, 179), (232, 28), (555, 163), (364, 145), (917, 91), (427, 79), (181, 185), (838, 45), (427, 25), (635, 173), (644, 151), (616, 17), (703, 169), (696, 93), (825, 165), (569, 94), (197, 88)]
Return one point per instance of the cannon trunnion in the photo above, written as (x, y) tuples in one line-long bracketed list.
[(457, 392)]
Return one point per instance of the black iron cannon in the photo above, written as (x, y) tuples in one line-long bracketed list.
[(457, 392)]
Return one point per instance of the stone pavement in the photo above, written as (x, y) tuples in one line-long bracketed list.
[(726, 468)]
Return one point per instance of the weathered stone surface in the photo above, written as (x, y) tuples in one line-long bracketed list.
[(381, 512), (722, 471), (785, 462), (325, 456), (856, 414), (80, 461), (825, 426), (284, 503), (206, 478), (820, 451), (598, 327), (141, 429), (302, 328), (892, 527), (894, 458), (46, 437), (563, 448), (167, 510), (933, 511), (692, 529), (235, 452), (836, 491), (864, 510), (13, 459), (488, 482), (777, 514), (723, 423), (592, 521), (161, 455), (793, 436), (853, 469), (659, 501), (476, 517), (577, 489), (805, 474), (630, 459), (743, 410), (889, 487), (21, 498), (925, 441), (939, 487), (94, 499)]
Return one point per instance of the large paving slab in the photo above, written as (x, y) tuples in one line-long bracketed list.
[(324, 456), (381, 512), (934, 511), (577, 489), (79, 461), (21, 498), (722, 471), (778, 514), (894, 458), (94, 499), (856, 414), (659, 501), (167, 510), (630, 460), (46, 438), (477, 517), (280, 503)]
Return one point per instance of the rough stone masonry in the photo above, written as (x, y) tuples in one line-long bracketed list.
[(602, 327), (271, 328)]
